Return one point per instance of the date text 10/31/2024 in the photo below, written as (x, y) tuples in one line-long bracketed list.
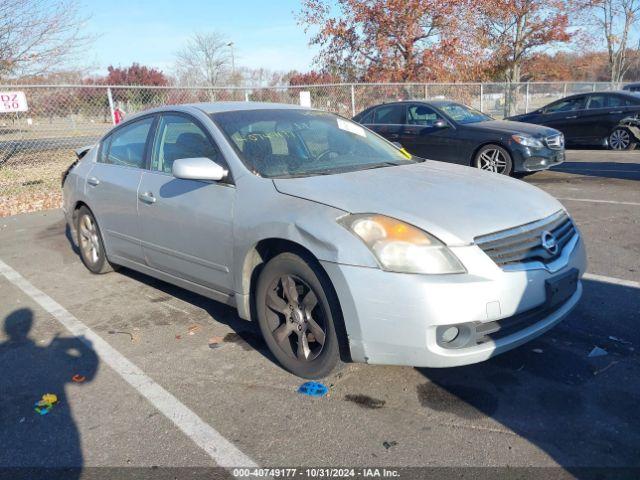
[(316, 472)]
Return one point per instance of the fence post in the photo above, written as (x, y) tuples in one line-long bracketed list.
[(593, 87), (526, 99), (353, 100), (482, 97), (426, 91), (246, 96), (110, 98)]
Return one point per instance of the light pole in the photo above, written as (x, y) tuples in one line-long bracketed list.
[(233, 63)]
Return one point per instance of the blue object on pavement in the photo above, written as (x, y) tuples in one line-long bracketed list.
[(313, 389)]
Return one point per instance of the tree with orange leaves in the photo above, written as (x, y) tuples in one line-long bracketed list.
[(512, 31), (387, 40)]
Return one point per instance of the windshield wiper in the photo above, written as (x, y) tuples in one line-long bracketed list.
[(380, 165)]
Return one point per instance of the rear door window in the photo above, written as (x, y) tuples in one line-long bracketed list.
[(390, 115), (598, 101), (126, 146), (566, 105)]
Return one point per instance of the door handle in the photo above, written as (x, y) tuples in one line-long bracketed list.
[(572, 116), (147, 197), (93, 181), (616, 111), (394, 135)]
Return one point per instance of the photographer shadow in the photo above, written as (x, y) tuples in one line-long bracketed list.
[(32, 443)]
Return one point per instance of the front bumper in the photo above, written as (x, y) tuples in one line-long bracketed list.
[(393, 318), (527, 159)]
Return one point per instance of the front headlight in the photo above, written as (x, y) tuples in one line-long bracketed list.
[(527, 141), (400, 247)]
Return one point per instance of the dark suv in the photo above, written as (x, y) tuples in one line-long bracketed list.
[(452, 132), (598, 118)]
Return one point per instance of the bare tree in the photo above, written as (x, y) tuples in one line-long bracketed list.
[(204, 60), (38, 36), (616, 19)]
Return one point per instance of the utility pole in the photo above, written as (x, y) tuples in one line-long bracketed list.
[(233, 64)]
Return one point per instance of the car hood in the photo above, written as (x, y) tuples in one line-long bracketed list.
[(452, 202), (509, 127)]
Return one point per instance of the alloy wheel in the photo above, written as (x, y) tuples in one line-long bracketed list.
[(89, 242), (296, 318), (620, 139), (492, 160)]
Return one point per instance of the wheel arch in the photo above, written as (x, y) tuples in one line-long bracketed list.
[(499, 143), (633, 137), (257, 257), (74, 217)]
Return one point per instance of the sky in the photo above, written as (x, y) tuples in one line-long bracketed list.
[(265, 33)]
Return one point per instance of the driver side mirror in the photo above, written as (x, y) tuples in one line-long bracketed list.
[(199, 168), (440, 124)]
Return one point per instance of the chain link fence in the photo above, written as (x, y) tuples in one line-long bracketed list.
[(38, 144)]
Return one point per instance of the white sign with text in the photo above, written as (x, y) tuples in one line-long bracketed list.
[(13, 102)]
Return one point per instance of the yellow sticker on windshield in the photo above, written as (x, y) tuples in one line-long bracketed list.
[(405, 153)]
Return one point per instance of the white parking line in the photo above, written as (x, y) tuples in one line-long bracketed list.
[(615, 281), (592, 200), (221, 450)]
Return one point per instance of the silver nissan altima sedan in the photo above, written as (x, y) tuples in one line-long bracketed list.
[(341, 245)]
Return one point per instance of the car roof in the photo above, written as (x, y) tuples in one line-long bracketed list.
[(598, 92), (433, 103), (217, 107)]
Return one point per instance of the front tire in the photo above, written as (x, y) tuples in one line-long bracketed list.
[(621, 139), (90, 242), (494, 158), (297, 310)]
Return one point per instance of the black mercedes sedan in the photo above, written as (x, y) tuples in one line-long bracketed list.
[(452, 132), (606, 119)]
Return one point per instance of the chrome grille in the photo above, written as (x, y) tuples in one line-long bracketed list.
[(524, 243), (555, 142)]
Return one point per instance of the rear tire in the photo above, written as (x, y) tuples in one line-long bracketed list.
[(621, 139), (494, 158), (297, 310), (90, 243)]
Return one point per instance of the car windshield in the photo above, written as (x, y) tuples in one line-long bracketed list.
[(280, 143), (463, 114)]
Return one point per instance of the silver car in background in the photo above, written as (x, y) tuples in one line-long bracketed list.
[(339, 244)]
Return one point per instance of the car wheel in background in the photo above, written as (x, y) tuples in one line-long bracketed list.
[(297, 309), (90, 242), (621, 139), (493, 158)]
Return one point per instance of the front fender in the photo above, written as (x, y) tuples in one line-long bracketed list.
[(264, 214)]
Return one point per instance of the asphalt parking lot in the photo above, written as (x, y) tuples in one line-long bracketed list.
[(156, 395)]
